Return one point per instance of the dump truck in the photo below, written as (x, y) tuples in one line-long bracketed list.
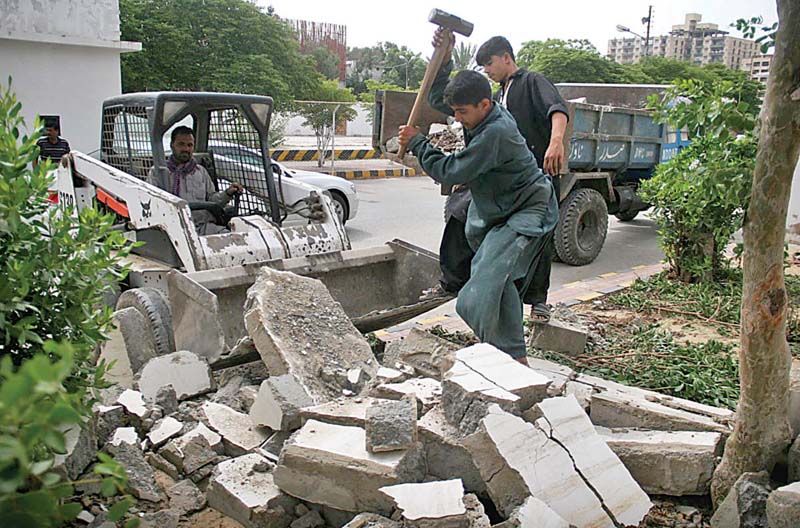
[(611, 149), (191, 287)]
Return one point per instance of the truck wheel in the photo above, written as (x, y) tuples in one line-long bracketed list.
[(152, 303), (627, 216), (582, 227)]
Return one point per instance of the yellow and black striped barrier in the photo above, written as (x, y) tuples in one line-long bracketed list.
[(375, 173), (313, 154)]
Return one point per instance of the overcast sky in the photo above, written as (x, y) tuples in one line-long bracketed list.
[(405, 22)]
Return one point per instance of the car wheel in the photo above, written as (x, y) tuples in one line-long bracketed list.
[(340, 207)]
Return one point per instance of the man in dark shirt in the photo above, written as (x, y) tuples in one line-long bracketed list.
[(541, 116), (51, 147)]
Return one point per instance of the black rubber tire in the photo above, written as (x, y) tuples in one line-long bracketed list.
[(345, 207), (582, 227), (627, 216), (153, 304)]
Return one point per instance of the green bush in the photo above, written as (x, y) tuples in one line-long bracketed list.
[(55, 266), (700, 196)]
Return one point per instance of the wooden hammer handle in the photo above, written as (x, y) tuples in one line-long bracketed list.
[(424, 88)]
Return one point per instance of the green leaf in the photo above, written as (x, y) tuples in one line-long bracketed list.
[(54, 439), (108, 487), (71, 510), (118, 509)]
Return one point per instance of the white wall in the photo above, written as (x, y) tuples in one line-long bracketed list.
[(87, 19), (69, 81), (359, 126)]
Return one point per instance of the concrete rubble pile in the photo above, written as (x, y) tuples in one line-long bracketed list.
[(318, 433)]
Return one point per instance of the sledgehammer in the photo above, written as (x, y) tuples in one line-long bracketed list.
[(455, 24)]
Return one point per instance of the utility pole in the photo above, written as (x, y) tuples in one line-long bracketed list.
[(647, 21)]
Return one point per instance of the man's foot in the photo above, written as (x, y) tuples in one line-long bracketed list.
[(523, 360), (437, 292), (540, 313)]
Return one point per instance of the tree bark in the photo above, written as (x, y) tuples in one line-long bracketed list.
[(762, 429)]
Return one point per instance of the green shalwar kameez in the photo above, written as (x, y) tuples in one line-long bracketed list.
[(513, 210)]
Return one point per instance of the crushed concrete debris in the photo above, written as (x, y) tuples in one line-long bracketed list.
[(127, 435), (428, 391), (164, 430), (557, 336), (430, 504), (186, 372), (299, 329), (329, 464), (534, 514), (238, 433), (133, 403), (278, 403), (783, 506), (250, 497), (344, 411), (391, 425), (389, 375), (426, 353), (129, 346), (141, 477)]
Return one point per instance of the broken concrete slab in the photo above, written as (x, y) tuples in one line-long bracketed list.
[(163, 430), (127, 435), (534, 514), (329, 464), (185, 497), (746, 499), (250, 497), (466, 396), (426, 353), (438, 504), (160, 463), (190, 456), (133, 403), (141, 477), (627, 410), (391, 425), (560, 460), (445, 455), (389, 375), (299, 328), (672, 463), (188, 374), (109, 419), (278, 403), (558, 374), (238, 433), (559, 336), (783, 507), (80, 441), (129, 345), (214, 440), (582, 392), (342, 411), (794, 397), (372, 520), (428, 391)]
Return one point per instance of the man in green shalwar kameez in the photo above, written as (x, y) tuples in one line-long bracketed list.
[(513, 210)]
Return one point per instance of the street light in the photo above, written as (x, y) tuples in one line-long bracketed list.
[(623, 29), (397, 66)]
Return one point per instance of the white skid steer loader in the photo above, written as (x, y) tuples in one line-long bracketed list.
[(190, 287)]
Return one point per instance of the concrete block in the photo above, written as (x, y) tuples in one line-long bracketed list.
[(422, 351), (783, 507), (214, 440), (329, 465), (343, 411), (248, 496), (189, 455), (534, 514), (391, 425), (141, 477), (389, 375), (133, 403), (558, 375), (446, 456), (672, 463), (188, 374), (745, 506), (164, 430), (130, 345), (127, 435), (428, 391), (160, 463), (794, 397), (278, 403), (238, 433), (298, 328), (109, 419), (582, 392), (627, 410), (558, 336), (185, 497), (437, 504)]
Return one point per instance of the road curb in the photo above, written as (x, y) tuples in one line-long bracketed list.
[(568, 294), (313, 154), (376, 174)]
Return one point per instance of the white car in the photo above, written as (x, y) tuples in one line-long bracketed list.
[(342, 192)]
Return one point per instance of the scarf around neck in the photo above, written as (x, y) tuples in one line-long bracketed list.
[(180, 172)]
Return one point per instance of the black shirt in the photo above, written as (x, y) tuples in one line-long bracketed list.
[(532, 99), (52, 151)]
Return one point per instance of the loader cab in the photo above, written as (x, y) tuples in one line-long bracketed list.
[(136, 129)]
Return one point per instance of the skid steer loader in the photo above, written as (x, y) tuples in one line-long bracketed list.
[(191, 287)]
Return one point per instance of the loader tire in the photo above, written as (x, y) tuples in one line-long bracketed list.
[(153, 304), (582, 227), (627, 216)]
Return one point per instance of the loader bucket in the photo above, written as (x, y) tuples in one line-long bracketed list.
[(377, 287)]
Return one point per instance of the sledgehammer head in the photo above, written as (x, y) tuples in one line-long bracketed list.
[(451, 22)]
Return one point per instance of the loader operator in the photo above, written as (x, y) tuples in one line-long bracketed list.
[(188, 180), (513, 209), (541, 116)]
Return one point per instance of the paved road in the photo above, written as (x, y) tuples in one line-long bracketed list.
[(411, 209)]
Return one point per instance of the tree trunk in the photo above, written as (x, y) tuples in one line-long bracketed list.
[(762, 429)]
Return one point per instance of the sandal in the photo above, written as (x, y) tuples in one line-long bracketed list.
[(540, 313), (437, 292)]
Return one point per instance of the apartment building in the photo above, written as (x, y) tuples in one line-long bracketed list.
[(758, 67)]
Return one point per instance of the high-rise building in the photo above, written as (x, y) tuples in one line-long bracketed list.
[(758, 67), (693, 41)]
